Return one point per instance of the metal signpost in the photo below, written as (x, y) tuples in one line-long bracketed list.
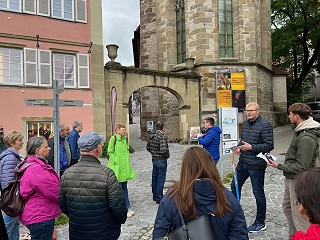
[(55, 103)]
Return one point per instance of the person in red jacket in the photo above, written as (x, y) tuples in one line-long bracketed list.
[(308, 192)]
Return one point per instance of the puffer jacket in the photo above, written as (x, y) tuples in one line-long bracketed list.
[(92, 198), (231, 226), (303, 148), (119, 158), (211, 141), (9, 159), (259, 134), (158, 146), (39, 185)]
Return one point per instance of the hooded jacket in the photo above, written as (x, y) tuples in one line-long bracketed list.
[(211, 141), (9, 159), (259, 134), (158, 146), (303, 148), (231, 226)]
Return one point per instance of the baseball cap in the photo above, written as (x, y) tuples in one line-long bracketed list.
[(89, 141)]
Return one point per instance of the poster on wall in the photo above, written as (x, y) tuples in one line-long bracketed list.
[(229, 125), (231, 89)]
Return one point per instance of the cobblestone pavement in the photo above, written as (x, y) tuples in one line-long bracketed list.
[(140, 226)]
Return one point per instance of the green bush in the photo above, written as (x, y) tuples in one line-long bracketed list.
[(62, 220), (228, 178)]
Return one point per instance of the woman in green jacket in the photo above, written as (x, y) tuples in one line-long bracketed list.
[(119, 162)]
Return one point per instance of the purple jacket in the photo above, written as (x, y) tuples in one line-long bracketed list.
[(9, 159), (40, 185)]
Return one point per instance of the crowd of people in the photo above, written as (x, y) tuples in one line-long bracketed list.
[(95, 197)]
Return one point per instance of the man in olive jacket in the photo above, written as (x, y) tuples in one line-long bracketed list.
[(91, 196), (300, 156)]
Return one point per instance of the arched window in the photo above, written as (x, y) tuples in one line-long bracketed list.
[(225, 29), (180, 31)]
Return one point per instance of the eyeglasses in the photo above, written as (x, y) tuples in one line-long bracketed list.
[(251, 110)]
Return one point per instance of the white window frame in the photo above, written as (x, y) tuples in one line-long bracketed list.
[(26, 62), (12, 10), (21, 71), (48, 10), (74, 69), (40, 63), (34, 7), (62, 11), (83, 67)]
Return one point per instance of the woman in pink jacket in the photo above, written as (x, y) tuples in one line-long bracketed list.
[(39, 185)]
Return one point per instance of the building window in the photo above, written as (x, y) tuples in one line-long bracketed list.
[(64, 69), (180, 31), (225, 29), (37, 129), (10, 66), (63, 9), (72, 10), (11, 5)]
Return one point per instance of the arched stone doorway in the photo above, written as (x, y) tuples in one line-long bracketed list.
[(185, 87)]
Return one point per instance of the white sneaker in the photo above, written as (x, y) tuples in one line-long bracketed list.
[(130, 213)]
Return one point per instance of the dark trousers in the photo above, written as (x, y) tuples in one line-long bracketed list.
[(159, 172), (3, 230), (257, 182)]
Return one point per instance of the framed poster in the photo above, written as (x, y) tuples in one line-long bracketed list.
[(193, 133)]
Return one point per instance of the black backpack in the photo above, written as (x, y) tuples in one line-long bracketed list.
[(11, 201)]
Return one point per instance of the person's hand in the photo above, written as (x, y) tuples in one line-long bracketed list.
[(199, 135), (245, 146), (273, 164), (236, 150)]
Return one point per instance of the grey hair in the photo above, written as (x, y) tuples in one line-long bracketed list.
[(34, 143), (76, 124), (62, 127)]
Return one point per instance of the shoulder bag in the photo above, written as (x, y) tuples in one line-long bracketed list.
[(198, 229)]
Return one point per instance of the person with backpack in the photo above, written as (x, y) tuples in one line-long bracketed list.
[(301, 155), (9, 159), (39, 185), (119, 162)]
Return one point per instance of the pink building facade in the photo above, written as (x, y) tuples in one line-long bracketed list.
[(42, 41)]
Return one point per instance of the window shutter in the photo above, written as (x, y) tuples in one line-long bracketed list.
[(30, 66), (43, 7), (81, 11), (29, 6), (45, 76), (83, 70)]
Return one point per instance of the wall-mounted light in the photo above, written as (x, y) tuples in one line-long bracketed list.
[(89, 51)]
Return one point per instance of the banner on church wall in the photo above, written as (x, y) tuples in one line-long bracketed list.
[(231, 89)]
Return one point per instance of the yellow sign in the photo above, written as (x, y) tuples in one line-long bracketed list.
[(224, 98), (237, 81)]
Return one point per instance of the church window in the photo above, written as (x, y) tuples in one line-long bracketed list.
[(225, 28), (180, 31)]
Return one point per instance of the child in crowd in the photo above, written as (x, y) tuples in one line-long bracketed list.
[(308, 192)]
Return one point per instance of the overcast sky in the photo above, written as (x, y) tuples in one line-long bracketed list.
[(120, 20)]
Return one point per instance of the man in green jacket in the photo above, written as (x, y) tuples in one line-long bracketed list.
[(300, 156)]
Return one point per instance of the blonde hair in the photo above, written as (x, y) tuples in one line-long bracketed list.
[(11, 137), (256, 105)]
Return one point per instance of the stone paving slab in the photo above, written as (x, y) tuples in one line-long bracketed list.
[(140, 226)]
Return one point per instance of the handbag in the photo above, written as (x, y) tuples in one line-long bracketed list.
[(198, 229)]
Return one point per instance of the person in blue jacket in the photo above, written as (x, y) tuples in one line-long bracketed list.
[(211, 139), (199, 191)]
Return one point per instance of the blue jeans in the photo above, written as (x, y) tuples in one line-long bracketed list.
[(159, 172), (124, 186), (257, 182), (42, 230), (12, 226)]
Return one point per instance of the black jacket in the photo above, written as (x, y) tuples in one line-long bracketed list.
[(92, 198), (259, 134), (158, 146)]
